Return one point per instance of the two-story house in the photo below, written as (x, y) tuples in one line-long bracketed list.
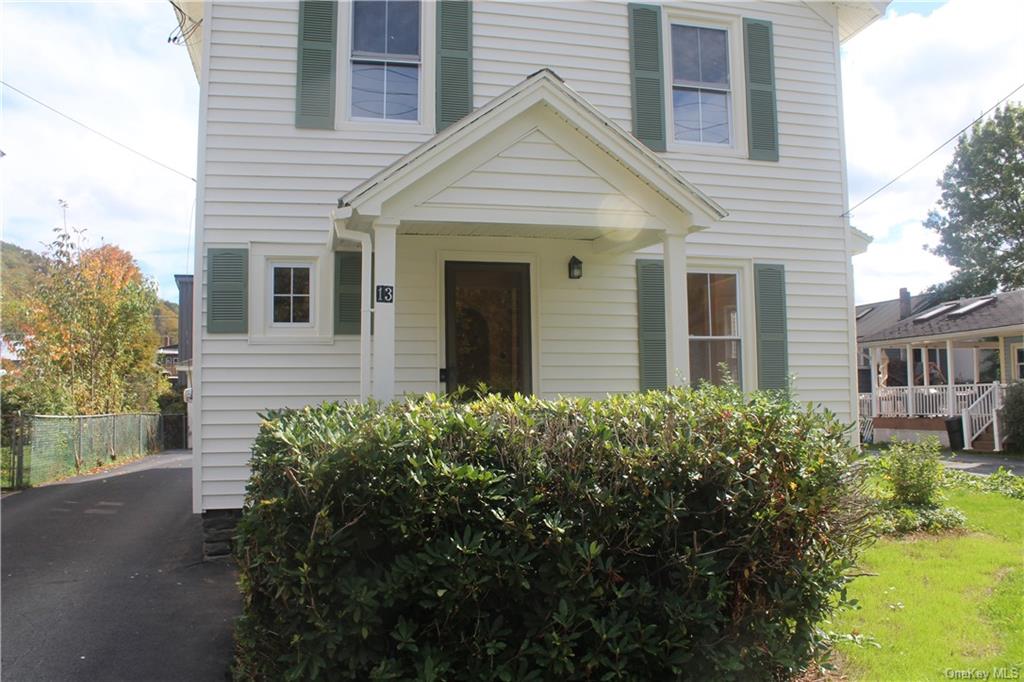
[(558, 198)]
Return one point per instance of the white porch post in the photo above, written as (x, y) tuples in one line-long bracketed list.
[(950, 374), (677, 323), (384, 310), (927, 367), (910, 380), (873, 358)]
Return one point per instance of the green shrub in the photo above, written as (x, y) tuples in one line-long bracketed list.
[(1013, 415), (914, 471), (900, 520), (682, 534), (1001, 481)]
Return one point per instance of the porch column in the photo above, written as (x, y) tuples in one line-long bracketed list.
[(873, 359), (384, 295), (927, 368), (910, 380), (950, 380), (677, 317)]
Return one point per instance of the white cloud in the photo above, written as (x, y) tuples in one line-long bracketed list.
[(909, 83), (110, 67)]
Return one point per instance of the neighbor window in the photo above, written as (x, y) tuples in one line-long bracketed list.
[(988, 365), (700, 84), (386, 59), (1018, 362), (714, 327), (291, 301)]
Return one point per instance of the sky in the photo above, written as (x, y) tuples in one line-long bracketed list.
[(910, 81)]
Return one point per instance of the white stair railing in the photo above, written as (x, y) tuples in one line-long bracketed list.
[(981, 413)]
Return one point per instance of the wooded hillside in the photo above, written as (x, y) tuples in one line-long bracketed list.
[(19, 275)]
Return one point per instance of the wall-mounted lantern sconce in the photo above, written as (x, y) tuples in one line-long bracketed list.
[(575, 268)]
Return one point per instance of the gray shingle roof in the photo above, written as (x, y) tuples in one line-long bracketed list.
[(883, 314), (1005, 310)]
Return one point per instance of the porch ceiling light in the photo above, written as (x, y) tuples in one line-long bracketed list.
[(575, 268)]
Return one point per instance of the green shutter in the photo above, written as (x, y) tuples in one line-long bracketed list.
[(650, 293), (762, 114), (227, 294), (454, 61), (348, 268), (317, 68), (648, 76), (772, 350)]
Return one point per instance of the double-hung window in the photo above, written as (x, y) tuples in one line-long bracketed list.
[(291, 295), (714, 327), (386, 60), (701, 95)]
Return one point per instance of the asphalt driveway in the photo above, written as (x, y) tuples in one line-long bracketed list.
[(103, 579)]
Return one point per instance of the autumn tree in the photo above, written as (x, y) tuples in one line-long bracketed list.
[(980, 216), (90, 346)]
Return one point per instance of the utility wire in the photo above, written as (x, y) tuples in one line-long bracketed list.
[(93, 130), (930, 154)]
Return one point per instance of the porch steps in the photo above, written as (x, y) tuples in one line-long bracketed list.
[(985, 441)]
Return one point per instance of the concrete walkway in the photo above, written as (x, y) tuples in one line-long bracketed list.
[(102, 579), (983, 464)]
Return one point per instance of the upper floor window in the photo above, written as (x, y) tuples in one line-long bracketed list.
[(386, 59), (701, 96)]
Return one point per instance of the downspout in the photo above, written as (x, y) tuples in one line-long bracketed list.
[(366, 242)]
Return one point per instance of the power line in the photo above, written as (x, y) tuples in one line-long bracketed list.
[(93, 130), (931, 153)]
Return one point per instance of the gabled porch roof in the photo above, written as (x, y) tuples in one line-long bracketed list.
[(538, 160)]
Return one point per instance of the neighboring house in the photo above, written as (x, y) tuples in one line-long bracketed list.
[(167, 359), (961, 354), (552, 198)]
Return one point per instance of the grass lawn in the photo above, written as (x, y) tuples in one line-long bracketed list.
[(942, 603)]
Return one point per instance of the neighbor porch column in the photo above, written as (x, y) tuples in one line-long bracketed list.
[(677, 318), (873, 359), (910, 380), (384, 296), (1004, 362), (950, 378)]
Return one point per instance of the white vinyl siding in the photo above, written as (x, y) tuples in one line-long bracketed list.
[(267, 181)]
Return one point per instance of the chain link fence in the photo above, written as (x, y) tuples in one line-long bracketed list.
[(40, 448)]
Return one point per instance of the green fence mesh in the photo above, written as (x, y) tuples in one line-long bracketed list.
[(60, 445)]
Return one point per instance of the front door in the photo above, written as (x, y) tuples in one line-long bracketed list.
[(487, 326)]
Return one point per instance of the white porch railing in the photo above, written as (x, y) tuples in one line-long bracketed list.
[(977, 405), (923, 401), (982, 413)]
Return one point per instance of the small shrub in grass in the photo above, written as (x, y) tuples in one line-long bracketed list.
[(914, 470), (666, 535), (915, 474)]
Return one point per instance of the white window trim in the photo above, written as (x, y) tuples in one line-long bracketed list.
[(276, 263), (343, 99), (733, 27), (1015, 374), (743, 271), (263, 256)]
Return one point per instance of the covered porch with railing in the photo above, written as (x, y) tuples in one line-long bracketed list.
[(922, 405)]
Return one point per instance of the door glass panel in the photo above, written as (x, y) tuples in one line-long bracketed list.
[(489, 311)]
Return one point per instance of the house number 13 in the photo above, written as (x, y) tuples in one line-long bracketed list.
[(385, 293)]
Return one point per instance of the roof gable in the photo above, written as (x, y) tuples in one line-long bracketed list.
[(604, 174)]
